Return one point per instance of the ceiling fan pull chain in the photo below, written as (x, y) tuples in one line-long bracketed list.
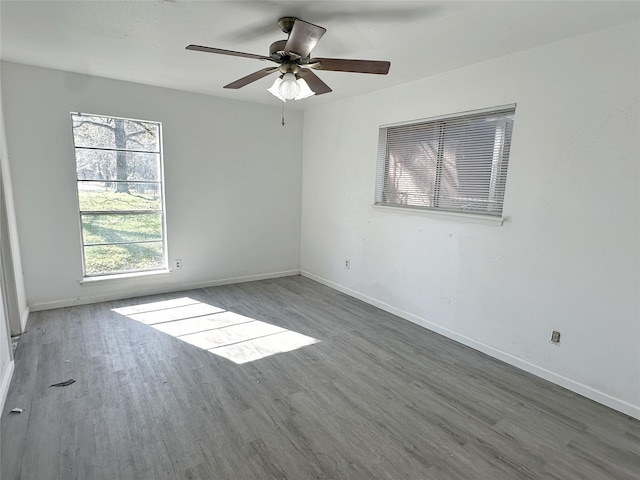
[(283, 113)]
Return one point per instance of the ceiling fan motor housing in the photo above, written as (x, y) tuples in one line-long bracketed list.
[(287, 64), (276, 50)]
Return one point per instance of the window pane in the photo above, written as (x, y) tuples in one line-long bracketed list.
[(110, 165), (114, 228), (117, 133), (472, 151), (111, 259), (119, 180), (466, 167), (411, 167), (113, 196)]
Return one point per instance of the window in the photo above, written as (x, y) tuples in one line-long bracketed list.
[(458, 163), (120, 194)]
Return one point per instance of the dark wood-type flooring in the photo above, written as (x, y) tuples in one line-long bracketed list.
[(375, 397)]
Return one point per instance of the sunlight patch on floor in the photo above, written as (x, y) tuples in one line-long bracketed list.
[(230, 335)]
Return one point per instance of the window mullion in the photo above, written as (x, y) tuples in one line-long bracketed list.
[(119, 212), (108, 149)]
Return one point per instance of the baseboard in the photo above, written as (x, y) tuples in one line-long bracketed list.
[(6, 381), (155, 290), (577, 387)]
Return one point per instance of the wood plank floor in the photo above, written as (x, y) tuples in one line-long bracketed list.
[(366, 396)]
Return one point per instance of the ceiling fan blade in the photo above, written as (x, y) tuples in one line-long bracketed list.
[(303, 37), (200, 48), (314, 82), (356, 66), (251, 78)]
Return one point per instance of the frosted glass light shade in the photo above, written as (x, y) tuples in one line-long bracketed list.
[(289, 87), (303, 89), (275, 90)]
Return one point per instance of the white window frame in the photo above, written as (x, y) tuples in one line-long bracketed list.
[(494, 185), (126, 274)]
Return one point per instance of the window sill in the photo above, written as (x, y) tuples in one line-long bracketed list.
[(456, 216), (91, 281)]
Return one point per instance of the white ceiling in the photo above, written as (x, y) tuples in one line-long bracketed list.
[(144, 41)]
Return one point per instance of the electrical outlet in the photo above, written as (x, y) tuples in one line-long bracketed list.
[(177, 264), (347, 264), (555, 337)]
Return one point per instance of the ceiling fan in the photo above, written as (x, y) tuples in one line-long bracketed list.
[(296, 80)]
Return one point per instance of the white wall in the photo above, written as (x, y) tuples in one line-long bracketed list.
[(568, 256), (233, 180), (6, 358)]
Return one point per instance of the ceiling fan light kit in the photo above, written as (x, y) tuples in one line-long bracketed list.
[(296, 80), (288, 87)]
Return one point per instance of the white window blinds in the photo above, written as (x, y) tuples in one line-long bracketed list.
[(458, 163)]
